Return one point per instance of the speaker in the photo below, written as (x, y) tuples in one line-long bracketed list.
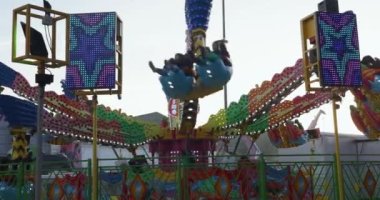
[(329, 6), (37, 43), (44, 78)]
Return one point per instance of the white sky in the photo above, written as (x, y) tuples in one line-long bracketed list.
[(264, 37)]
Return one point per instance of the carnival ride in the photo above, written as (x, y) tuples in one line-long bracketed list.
[(366, 113), (252, 115), (262, 110)]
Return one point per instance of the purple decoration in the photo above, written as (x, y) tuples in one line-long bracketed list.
[(92, 51), (339, 49)]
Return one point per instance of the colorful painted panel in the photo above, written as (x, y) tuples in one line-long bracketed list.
[(92, 51), (67, 187), (339, 49)]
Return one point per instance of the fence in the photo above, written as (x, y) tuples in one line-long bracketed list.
[(269, 177), (60, 180)]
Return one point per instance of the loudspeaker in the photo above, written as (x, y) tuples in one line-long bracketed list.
[(329, 6), (44, 78), (37, 43)]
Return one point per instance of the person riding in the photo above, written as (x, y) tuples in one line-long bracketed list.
[(219, 48), (184, 62)]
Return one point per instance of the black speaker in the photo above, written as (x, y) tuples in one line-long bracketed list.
[(329, 6), (44, 78), (37, 43)]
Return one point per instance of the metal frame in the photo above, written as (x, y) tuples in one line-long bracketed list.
[(94, 103), (33, 11), (309, 30)]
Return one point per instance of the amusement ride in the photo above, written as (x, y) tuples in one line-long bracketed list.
[(186, 166)]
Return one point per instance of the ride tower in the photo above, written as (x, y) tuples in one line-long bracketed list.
[(331, 57), (199, 72)]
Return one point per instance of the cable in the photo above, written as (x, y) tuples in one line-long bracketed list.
[(47, 39), (47, 36), (48, 70)]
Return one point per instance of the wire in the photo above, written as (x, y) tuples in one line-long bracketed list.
[(48, 70), (47, 36), (47, 39)]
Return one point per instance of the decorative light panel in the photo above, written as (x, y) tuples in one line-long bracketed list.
[(339, 49), (197, 13), (92, 51)]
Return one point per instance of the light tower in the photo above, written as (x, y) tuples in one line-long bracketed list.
[(36, 53), (330, 51)]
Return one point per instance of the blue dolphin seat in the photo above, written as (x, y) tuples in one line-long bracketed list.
[(176, 84), (212, 73)]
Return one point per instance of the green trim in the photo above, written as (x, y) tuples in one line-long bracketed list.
[(336, 181), (89, 171), (262, 179)]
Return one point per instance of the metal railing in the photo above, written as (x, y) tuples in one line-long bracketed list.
[(224, 177), (60, 180)]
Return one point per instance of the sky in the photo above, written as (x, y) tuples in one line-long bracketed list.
[(263, 38)]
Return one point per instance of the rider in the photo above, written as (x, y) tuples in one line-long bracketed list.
[(219, 47), (184, 62), (168, 66)]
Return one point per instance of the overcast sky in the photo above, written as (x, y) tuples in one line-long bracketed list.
[(264, 37)]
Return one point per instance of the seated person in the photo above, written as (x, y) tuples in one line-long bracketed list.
[(168, 66), (184, 62), (219, 47)]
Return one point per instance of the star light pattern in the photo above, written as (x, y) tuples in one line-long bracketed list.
[(339, 49), (92, 51)]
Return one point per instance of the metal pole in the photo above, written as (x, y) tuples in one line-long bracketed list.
[(250, 147), (37, 177), (20, 179), (225, 97), (94, 149), (116, 154), (224, 37), (337, 150), (335, 177), (89, 188), (224, 19), (262, 178), (237, 144)]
